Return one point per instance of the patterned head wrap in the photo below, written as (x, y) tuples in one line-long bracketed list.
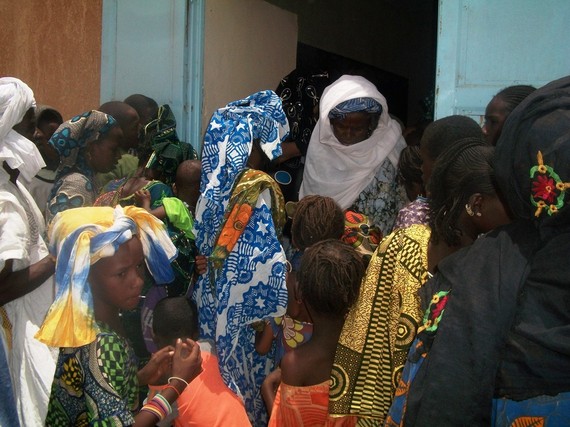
[(532, 159), (72, 138), (19, 152), (356, 105), (168, 151), (229, 139), (81, 237)]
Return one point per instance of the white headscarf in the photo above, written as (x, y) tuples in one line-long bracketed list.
[(344, 171), (19, 152)]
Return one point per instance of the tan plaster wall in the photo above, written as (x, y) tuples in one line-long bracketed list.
[(249, 45), (55, 47)]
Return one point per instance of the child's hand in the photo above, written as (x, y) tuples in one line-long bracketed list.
[(269, 388), (142, 198), (187, 361), (158, 367), (201, 263)]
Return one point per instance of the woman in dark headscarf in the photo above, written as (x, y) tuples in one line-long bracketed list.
[(500, 354)]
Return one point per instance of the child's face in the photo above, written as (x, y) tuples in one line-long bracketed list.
[(117, 281)]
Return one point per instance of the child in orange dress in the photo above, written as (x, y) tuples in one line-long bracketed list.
[(329, 281)]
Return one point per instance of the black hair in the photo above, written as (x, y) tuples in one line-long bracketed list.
[(49, 115), (188, 173), (316, 218), (463, 169), (144, 105), (330, 276), (513, 95), (175, 317), (410, 165), (442, 133)]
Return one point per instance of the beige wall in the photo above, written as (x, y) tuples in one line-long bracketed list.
[(55, 47), (249, 45)]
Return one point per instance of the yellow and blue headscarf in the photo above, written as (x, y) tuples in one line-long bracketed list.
[(80, 237)]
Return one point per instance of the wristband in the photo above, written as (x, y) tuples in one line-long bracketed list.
[(179, 379)]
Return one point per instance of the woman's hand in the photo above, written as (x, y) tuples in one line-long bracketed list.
[(158, 368), (187, 361), (201, 264)]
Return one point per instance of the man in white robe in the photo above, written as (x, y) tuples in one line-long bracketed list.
[(26, 268)]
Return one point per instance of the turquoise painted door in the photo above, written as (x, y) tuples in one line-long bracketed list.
[(152, 47), (486, 45)]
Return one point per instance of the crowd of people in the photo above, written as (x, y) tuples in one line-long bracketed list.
[(316, 263)]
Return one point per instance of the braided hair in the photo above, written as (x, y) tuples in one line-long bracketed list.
[(316, 218), (410, 165), (463, 169), (330, 276), (443, 133), (513, 95)]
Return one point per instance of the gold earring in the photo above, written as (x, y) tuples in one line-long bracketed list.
[(470, 211)]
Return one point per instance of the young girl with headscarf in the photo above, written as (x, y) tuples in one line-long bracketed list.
[(87, 144), (101, 255), (354, 150)]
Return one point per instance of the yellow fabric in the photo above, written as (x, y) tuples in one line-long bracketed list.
[(81, 237), (381, 326)]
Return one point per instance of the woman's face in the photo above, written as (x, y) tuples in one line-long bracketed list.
[(495, 116), (117, 281), (353, 128), (104, 153)]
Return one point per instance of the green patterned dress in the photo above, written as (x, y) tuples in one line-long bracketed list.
[(96, 384)]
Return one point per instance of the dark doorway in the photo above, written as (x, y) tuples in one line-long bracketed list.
[(390, 42)]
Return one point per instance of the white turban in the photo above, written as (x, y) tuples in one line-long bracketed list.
[(19, 152)]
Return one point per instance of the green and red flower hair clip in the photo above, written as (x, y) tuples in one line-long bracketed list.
[(548, 189)]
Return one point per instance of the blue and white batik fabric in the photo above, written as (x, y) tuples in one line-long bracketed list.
[(249, 285)]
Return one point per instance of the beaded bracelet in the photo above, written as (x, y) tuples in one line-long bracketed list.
[(179, 379)]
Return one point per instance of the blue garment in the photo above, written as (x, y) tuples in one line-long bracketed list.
[(547, 411), (250, 284), (8, 413)]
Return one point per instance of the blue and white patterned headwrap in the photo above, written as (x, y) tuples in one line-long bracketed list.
[(72, 138), (79, 238), (250, 286), (356, 105)]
